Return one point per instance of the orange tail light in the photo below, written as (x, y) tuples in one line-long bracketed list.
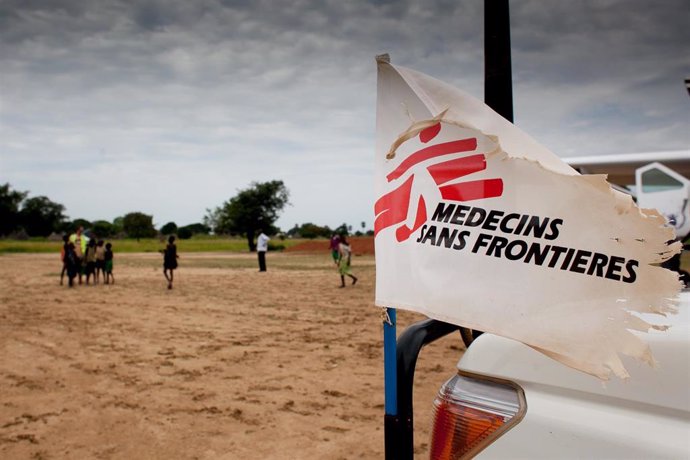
[(471, 412)]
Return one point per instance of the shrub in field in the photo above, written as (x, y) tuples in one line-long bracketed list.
[(199, 228), (103, 229), (184, 233), (19, 235), (275, 247), (139, 225), (118, 225), (310, 230), (169, 229)]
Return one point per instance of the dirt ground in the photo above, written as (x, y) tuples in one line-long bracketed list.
[(231, 363)]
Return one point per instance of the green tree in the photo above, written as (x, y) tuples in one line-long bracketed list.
[(342, 229), (212, 219), (138, 225), (184, 233), (169, 229), (190, 230), (253, 208), (72, 226), (40, 216), (103, 229), (294, 231), (198, 228), (309, 230), (119, 225), (9, 208)]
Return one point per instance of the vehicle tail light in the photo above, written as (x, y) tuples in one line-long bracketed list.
[(470, 412)]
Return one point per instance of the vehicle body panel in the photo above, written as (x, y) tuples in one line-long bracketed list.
[(574, 415), (667, 191)]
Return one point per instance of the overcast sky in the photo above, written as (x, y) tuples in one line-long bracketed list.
[(170, 107)]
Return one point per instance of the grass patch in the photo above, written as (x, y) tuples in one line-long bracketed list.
[(207, 244)]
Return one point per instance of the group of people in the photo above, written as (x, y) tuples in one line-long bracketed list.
[(340, 251), (85, 257)]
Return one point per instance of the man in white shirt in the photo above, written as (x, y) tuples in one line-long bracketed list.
[(261, 248)]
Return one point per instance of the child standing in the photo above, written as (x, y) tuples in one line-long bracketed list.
[(63, 253), (170, 260), (108, 264), (72, 263), (100, 260), (90, 261)]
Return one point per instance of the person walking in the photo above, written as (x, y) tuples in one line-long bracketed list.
[(170, 260), (344, 259), (335, 248), (261, 248)]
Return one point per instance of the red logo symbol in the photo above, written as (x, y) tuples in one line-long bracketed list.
[(392, 208)]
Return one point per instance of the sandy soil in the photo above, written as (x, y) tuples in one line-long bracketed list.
[(230, 364)]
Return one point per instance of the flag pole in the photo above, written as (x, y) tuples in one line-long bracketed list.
[(391, 423), (498, 79), (390, 378)]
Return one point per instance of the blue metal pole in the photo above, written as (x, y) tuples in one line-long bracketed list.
[(390, 376), (391, 425)]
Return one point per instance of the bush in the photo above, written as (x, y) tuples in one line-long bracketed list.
[(139, 225), (275, 247), (19, 234), (199, 229), (169, 229), (103, 229), (184, 233)]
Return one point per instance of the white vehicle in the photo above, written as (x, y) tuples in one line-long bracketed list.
[(659, 180), (510, 401)]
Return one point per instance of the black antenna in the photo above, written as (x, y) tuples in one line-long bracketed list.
[(498, 80)]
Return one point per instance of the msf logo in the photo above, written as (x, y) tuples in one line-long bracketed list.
[(392, 209)]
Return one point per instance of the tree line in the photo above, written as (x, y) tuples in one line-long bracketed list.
[(254, 208), (22, 216), (310, 230)]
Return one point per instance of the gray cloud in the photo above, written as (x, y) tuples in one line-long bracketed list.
[(204, 97)]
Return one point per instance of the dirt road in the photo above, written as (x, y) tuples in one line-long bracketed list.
[(231, 363)]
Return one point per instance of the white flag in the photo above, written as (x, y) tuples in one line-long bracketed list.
[(479, 225)]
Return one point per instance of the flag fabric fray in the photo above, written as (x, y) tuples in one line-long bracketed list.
[(479, 225)]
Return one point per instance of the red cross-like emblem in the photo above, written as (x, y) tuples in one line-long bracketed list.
[(392, 208)]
